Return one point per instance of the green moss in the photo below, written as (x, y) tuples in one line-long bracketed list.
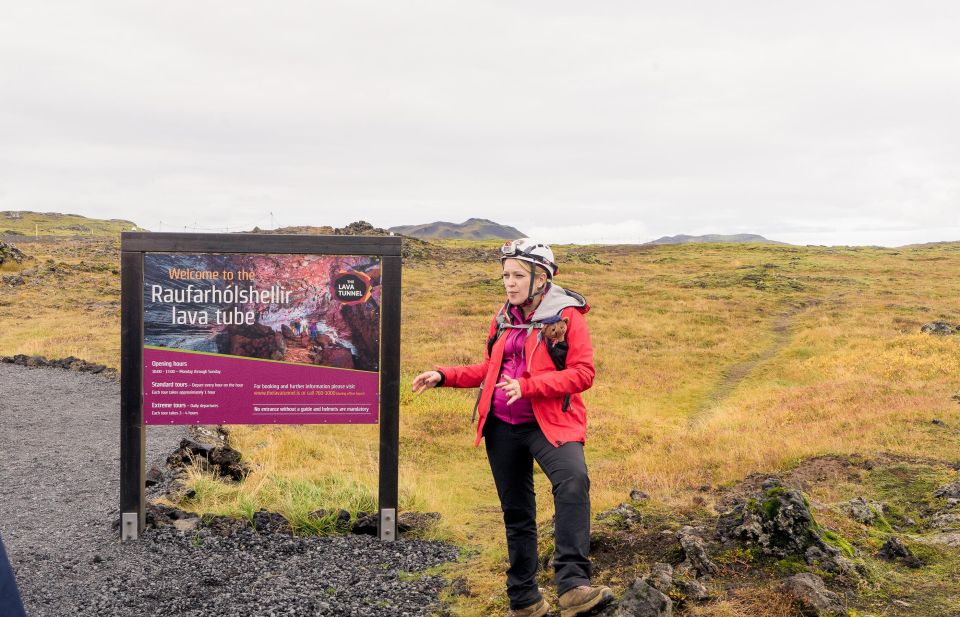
[(836, 540), (737, 554), (771, 505), (882, 523), (907, 489), (790, 566)]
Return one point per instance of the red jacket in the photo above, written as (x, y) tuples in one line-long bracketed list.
[(543, 385)]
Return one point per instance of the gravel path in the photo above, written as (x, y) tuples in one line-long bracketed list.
[(59, 486)]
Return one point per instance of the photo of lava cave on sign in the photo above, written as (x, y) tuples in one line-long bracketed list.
[(309, 309)]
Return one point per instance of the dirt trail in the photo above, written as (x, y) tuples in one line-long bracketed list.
[(736, 374)]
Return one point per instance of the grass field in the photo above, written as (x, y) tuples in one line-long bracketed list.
[(713, 361)]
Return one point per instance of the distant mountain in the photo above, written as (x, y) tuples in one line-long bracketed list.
[(742, 238), (471, 229), (357, 228), (26, 223)]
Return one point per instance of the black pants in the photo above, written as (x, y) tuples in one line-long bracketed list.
[(512, 449)]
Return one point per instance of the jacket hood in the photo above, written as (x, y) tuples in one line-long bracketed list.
[(556, 299)]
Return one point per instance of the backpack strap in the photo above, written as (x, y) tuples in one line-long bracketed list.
[(503, 324)]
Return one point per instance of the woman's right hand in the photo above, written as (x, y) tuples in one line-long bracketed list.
[(425, 380)]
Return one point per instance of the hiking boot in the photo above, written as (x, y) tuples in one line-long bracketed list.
[(537, 609), (581, 600)]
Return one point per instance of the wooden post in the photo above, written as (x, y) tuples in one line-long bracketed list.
[(132, 434), (389, 396)]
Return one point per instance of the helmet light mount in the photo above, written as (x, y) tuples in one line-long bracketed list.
[(535, 254)]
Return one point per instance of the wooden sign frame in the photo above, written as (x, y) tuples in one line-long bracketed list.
[(133, 247)]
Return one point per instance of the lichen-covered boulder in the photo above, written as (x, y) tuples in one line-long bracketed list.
[(643, 600), (696, 559), (812, 595), (623, 516), (9, 252), (863, 511), (779, 522), (939, 328), (949, 491)]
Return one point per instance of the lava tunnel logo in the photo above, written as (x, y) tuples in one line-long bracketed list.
[(351, 287)]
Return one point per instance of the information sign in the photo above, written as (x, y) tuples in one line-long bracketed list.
[(261, 339), (258, 329)]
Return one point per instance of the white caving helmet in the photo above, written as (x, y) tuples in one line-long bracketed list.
[(534, 253)]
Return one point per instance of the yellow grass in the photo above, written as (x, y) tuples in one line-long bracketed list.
[(713, 362)]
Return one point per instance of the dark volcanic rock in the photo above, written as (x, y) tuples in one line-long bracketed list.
[(153, 477), (643, 600), (863, 511), (894, 549), (778, 520), (812, 595), (9, 252), (661, 577), (271, 522), (366, 524), (623, 516), (69, 363), (695, 552), (159, 515), (225, 525), (178, 490), (195, 448), (226, 462), (939, 328), (221, 460), (692, 590), (950, 491)]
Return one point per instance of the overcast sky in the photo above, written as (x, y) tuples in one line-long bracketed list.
[(809, 122)]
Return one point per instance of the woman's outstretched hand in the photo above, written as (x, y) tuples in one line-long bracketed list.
[(512, 389), (425, 380)]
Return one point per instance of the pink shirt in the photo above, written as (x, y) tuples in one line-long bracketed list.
[(514, 365)]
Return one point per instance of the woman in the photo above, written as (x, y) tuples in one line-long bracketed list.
[(530, 409)]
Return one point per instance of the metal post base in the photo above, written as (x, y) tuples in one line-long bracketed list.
[(388, 524), (129, 523)]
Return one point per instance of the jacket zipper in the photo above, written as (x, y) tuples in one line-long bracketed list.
[(566, 399), (537, 344)]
